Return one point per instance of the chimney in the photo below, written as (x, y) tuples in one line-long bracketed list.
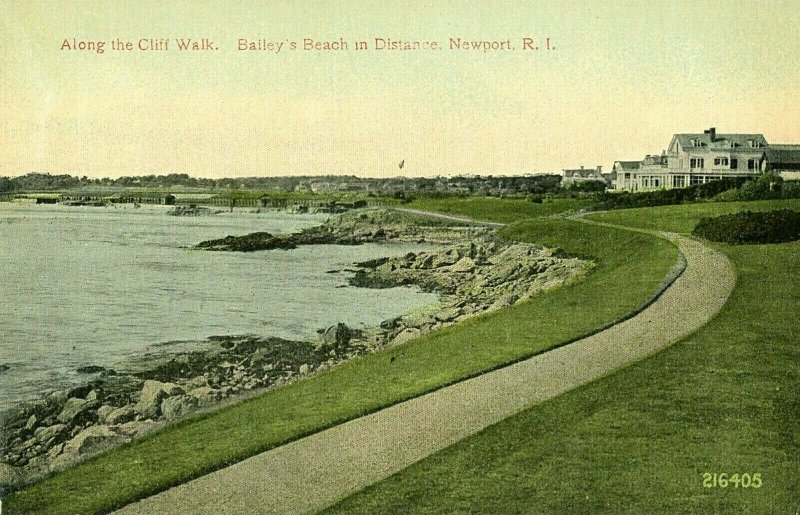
[(712, 134), (599, 169)]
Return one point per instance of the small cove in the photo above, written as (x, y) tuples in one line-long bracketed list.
[(96, 286)]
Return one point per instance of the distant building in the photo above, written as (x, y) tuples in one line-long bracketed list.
[(784, 160), (625, 171), (582, 174), (695, 159)]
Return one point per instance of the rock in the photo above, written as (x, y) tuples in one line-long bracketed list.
[(44, 434), (448, 314), (104, 411), (28, 444), (55, 451), (251, 384), (463, 265), (121, 415), (416, 321), (304, 369), (153, 392), (337, 335), (77, 411), (57, 397), (390, 323), (446, 259), (92, 439), (426, 262), (205, 395), (92, 396), (178, 406), (262, 354), (505, 301), (90, 369), (31, 423), (136, 428), (405, 335), (197, 382), (79, 391), (4, 367)]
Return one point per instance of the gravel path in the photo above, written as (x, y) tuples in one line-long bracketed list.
[(320, 469)]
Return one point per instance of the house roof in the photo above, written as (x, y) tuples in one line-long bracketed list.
[(720, 140), (629, 165), (783, 154), (586, 173)]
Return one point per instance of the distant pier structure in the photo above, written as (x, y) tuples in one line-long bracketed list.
[(124, 198)]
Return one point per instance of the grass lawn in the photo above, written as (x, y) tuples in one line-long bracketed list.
[(683, 218), (203, 444), (496, 209), (722, 401)]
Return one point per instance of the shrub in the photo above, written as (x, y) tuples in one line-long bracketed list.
[(790, 189), (747, 227), (665, 197)]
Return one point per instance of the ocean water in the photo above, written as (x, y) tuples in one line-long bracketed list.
[(96, 286)]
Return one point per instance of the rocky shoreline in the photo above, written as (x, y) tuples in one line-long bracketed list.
[(474, 272), (355, 228)]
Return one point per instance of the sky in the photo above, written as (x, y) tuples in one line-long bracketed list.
[(623, 77)]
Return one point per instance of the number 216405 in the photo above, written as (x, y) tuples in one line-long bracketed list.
[(733, 480)]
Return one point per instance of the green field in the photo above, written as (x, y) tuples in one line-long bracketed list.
[(203, 444), (683, 218), (722, 401), (496, 209)]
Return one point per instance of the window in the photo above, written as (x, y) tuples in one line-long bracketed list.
[(721, 161), (645, 182), (696, 162), (734, 163), (696, 179), (752, 164), (656, 182), (678, 181)]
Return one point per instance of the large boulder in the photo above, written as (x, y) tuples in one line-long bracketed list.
[(206, 395), (93, 439), (45, 434), (103, 412), (76, 411), (153, 392), (136, 428), (463, 265), (121, 415), (177, 407)]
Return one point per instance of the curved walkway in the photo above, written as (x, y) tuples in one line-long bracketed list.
[(318, 470)]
